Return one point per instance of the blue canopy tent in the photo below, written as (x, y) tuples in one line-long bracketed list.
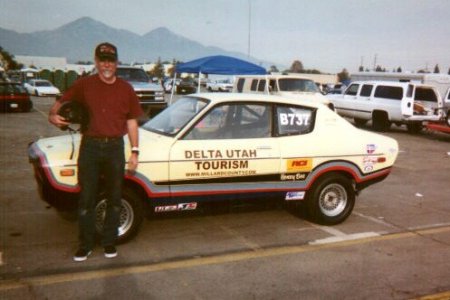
[(220, 65)]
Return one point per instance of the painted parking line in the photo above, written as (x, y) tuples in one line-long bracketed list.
[(46, 280)]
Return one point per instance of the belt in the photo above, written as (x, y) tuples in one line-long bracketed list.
[(103, 139)]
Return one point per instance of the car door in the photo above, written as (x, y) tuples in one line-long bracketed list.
[(344, 104), (230, 150), (363, 103)]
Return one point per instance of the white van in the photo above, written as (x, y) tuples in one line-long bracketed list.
[(284, 85), (387, 102)]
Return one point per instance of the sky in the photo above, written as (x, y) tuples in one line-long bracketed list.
[(327, 35)]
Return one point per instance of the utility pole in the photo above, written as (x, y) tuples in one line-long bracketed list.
[(249, 26)]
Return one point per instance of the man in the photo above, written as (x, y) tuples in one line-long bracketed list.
[(113, 112)]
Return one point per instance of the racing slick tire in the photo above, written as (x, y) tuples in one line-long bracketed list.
[(131, 215), (331, 199), (447, 119)]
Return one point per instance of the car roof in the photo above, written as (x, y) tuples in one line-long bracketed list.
[(237, 97), (390, 83), (275, 76)]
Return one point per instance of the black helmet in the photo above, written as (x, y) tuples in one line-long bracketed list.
[(74, 112)]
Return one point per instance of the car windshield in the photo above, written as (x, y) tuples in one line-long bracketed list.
[(132, 74), (297, 85), (42, 83), (11, 88), (171, 120)]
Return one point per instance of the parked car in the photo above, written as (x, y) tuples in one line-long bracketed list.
[(224, 85), (41, 87), (14, 97), (186, 86), (206, 148), (295, 86), (387, 102), (151, 95), (168, 84)]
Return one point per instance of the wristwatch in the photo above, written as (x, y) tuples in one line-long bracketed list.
[(135, 150)]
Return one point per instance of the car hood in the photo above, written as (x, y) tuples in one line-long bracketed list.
[(63, 150)]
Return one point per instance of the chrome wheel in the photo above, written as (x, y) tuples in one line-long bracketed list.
[(126, 216), (333, 200)]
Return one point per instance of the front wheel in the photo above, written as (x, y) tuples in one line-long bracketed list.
[(131, 215), (331, 199)]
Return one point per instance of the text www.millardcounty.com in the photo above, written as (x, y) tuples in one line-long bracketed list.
[(222, 173)]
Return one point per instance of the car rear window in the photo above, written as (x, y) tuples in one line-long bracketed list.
[(293, 120), (389, 92)]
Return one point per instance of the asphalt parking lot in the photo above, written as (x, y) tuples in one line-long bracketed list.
[(395, 245)]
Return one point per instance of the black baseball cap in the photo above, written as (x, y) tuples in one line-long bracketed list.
[(106, 51)]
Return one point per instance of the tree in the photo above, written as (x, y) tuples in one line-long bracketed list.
[(380, 69), (343, 75), (273, 69), (436, 69), (399, 70), (10, 62), (158, 70), (361, 69), (296, 67), (448, 71)]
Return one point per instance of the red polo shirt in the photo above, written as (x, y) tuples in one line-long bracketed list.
[(109, 105)]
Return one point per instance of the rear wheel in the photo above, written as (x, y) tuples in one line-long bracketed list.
[(331, 199), (380, 121), (131, 215)]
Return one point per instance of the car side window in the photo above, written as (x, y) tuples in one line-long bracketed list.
[(352, 90), (425, 94), (293, 120), (366, 90), (234, 121), (261, 85), (254, 85), (389, 92), (240, 85)]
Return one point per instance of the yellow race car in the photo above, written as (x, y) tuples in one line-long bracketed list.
[(206, 148)]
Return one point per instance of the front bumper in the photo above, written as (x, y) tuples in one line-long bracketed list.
[(59, 199)]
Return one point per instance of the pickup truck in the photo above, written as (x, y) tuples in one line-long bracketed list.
[(387, 102), (224, 85), (151, 95)]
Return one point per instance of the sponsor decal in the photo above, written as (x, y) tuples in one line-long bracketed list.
[(368, 163), (371, 148), (299, 164), (231, 162), (217, 154), (300, 195), (291, 119), (293, 176), (176, 207)]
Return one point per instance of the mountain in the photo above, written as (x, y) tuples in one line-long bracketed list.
[(76, 41)]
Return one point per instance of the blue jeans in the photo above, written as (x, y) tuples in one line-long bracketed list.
[(101, 168)]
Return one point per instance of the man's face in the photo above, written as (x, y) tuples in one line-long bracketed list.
[(106, 69)]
